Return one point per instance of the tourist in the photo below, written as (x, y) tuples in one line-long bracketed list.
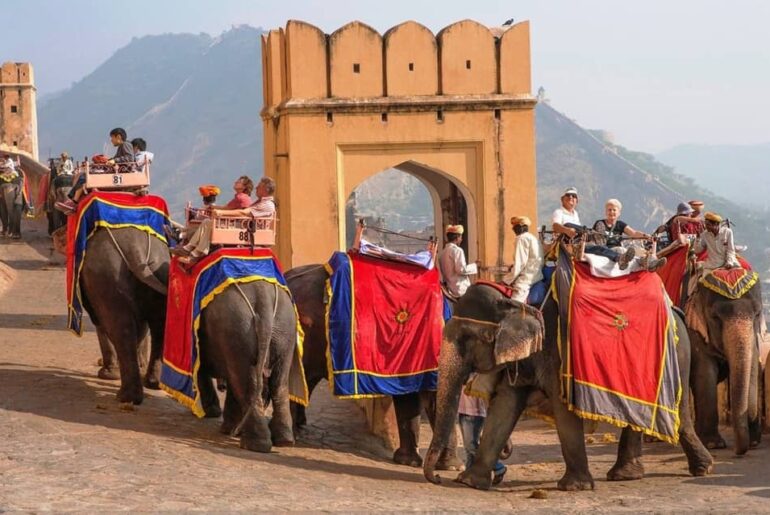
[(124, 154), (565, 220), (200, 242), (243, 187)]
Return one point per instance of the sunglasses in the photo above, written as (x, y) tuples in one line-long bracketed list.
[(570, 195)]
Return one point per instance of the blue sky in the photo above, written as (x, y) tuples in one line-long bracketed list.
[(655, 73)]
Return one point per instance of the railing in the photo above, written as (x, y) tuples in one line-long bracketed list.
[(233, 230), (117, 176)]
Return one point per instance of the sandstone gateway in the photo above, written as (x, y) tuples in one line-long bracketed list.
[(454, 110)]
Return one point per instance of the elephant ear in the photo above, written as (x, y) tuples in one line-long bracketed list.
[(520, 333)]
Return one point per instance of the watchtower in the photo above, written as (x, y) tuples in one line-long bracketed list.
[(18, 111), (453, 109)]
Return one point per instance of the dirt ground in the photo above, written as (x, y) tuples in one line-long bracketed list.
[(66, 445)]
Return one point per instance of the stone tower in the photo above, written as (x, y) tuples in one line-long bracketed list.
[(453, 109), (18, 110)]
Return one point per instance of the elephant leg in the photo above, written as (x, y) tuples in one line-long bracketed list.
[(209, 397), (298, 411), (281, 430), (122, 330), (408, 418), (704, 378), (628, 465), (699, 460), (109, 365), (504, 411), (448, 459), (157, 323), (573, 447), (755, 425), (232, 415)]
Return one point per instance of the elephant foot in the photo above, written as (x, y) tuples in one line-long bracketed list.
[(408, 457), (252, 443), (714, 442), (475, 478), (703, 469), (281, 433), (627, 471), (755, 433), (449, 461), (151, 382), (228, 427), (572, 481), (108, 373), (212, 411), (132, 395)]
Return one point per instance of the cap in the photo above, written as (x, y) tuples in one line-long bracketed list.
[(712, 217), (683, 209), (570, 191), (521, 220), (207, 190), (455, 229)]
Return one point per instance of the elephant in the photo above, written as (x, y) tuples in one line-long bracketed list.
[(308, 287), (123, 286), (731, 350), (499, 329), (59, 188), (247, 335), (11, 207)]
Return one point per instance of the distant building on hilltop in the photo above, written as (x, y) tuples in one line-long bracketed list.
[(18, 111)]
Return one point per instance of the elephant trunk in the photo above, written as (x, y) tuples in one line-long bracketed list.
[(452, 375), (738, 338)]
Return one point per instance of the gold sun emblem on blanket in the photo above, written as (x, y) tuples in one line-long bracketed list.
[(402, 316), (619, 321)]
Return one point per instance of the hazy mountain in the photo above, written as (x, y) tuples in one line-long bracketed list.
[(195, 99), (717, 166)]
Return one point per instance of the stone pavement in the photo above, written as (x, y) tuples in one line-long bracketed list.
[(65, 444)]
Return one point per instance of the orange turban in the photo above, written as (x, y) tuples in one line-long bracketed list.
[(208, 190)]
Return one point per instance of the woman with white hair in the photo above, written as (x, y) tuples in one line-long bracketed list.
[(612, 230)]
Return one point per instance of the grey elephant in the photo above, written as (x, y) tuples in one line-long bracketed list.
[(724, 335), (123, 285), (308, 286), (59, 187), (11, 207), (248, 336), (505, 328)]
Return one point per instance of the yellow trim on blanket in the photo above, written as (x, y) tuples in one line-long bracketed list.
[(713, 287), (621, 424), (406, 374)]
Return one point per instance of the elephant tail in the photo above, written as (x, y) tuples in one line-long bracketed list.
[(140, 265)]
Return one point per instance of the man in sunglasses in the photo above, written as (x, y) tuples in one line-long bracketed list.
[(565, 220)]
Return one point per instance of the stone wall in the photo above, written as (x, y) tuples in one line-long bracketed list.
[(18, 110)]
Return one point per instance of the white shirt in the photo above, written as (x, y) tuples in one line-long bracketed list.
[(143, 157), (454, 270), (527, 262), (721, 249), (563, 217), (263, 207), (67, 167)]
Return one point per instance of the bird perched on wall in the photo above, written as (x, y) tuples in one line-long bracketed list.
[(508, 22)]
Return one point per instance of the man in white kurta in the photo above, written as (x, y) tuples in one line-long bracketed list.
[(451, 262), (527, 268), (718, 241)]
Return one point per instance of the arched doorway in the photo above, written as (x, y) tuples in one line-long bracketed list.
[(414, 201)]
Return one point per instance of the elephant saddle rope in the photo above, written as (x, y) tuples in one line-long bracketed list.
[(384, 326), (189, 292), (147, 213), (732, 283), (617, 342)]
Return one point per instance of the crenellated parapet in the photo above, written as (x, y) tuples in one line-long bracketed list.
[(301, 64)]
